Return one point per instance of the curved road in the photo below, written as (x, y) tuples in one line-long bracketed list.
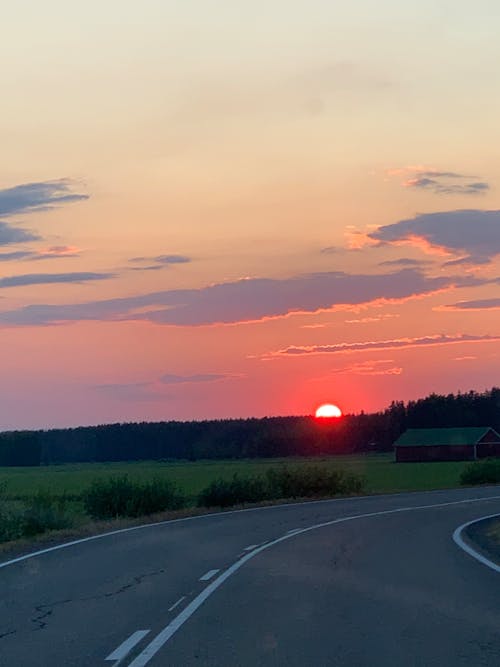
[(373, 581)]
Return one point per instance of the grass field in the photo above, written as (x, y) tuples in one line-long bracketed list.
[(381, 473)]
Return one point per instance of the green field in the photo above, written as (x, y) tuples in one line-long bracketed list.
[(381, 473)]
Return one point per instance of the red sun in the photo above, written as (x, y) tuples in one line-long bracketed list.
[(328, 410)]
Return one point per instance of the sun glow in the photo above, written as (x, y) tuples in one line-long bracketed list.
[(328, 410)]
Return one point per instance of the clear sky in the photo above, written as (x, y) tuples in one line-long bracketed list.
[(233, 208)]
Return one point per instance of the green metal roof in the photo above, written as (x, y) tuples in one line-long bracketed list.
[(414, 437)]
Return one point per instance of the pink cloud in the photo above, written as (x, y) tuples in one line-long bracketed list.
[(371, 367), (57, 251)]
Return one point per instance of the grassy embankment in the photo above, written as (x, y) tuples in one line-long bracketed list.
[(33, 486)]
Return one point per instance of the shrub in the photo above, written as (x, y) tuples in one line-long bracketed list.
[(45, 512), (481, 472), (9, 525), (311, 481), (284, 482), (121, 496), (224, 493), (33, 516)]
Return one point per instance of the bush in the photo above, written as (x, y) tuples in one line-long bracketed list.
[(284, 482), (224, 493), (44, 512), (311, 481), (10, 528), (120, 497), (481, 472), (38, 514)]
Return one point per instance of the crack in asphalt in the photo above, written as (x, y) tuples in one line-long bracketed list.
[(6, 634), (136, 581), (44, 611)]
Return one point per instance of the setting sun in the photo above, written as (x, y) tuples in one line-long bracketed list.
[(328, 410)]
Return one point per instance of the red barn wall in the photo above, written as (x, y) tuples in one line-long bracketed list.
[(489, 445), (435, 453)]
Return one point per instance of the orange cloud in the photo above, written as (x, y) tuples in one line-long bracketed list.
[(371, 367), (57, 251), (369, 320)]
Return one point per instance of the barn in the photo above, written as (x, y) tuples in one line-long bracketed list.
[(447, 444)]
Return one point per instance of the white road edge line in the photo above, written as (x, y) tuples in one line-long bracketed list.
[(212, 515), (176, 604), (208, 575), (460, 542), (124, 649), (252, 546), (169, 630)]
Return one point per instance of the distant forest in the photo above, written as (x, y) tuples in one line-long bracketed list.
[(248, 438)]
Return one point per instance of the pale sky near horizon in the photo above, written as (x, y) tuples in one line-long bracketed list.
[(224, 209)]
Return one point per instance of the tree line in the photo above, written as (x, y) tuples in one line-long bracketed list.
[(248, 438)]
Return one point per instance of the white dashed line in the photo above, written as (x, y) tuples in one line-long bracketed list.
[(124, 649), (169, 630), (176, 604), (208, 575)]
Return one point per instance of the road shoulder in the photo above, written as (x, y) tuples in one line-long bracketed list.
[(484, 536)]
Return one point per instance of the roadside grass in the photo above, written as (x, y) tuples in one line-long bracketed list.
[(52, 499), (485, 471), (494, 533)]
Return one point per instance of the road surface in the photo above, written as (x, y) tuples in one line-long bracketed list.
[(373, 581)]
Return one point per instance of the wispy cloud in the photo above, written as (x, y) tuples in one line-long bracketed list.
[(47, 278), (10, 234), (332, 250), (29, 197), (16, 255), (404, 261), (57, 251), (170, 378), (440, 182), (53, 252), (472, 235), (133, 391), (441, 187), (371, 367), (374, 318), (158, 262), (246, 300), (394, 344), (477, 304), (154, 390)]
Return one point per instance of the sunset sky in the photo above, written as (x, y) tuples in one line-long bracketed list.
[(233, 208)]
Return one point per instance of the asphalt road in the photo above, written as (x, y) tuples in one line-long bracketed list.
[(370, 582)]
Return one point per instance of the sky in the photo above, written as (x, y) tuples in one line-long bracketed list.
[(230, 209)]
